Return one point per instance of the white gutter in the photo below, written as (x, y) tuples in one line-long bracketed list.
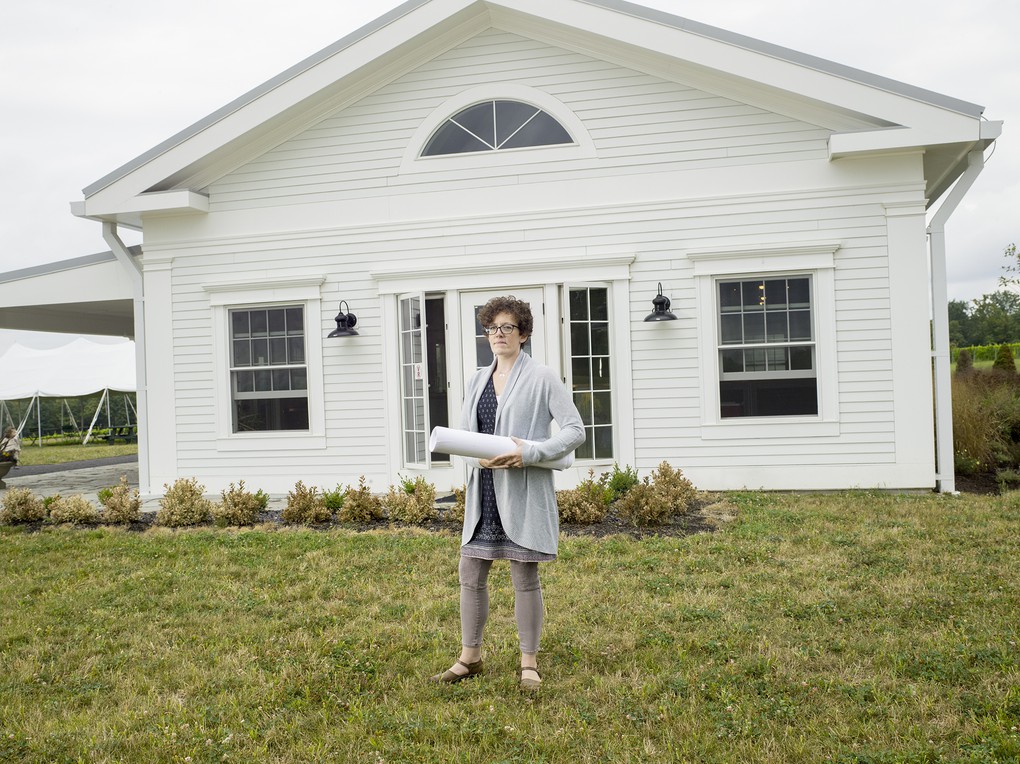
[(134, 271), (946, 473)]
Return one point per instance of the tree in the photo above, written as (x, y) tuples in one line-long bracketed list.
[(995, 318), (959, 324), (1004, 363), (964, 363), (1012, 267)]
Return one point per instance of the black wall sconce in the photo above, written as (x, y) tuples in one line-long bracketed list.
[(660, 310), (345, 322)]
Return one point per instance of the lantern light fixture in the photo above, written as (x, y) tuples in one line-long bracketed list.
[(345, 322), (660, 311)]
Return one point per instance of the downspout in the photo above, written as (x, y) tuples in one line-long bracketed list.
[(945, 475), (134, 271)]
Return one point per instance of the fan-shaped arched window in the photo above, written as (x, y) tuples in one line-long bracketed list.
[(496, 126)]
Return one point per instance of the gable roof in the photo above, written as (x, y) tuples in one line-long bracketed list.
[(875, 113)]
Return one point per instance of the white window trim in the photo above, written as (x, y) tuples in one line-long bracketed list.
[(816, 260), (224, 296), (583, 146)]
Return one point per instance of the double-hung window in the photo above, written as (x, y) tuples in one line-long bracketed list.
[(766, 347), (590, 378), (268, 369)]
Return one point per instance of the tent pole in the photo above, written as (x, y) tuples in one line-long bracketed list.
[(38, 417), (95, 416)]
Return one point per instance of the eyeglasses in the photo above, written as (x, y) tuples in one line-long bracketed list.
[(505, 329)]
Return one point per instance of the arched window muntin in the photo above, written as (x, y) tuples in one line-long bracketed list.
[(496, 124)]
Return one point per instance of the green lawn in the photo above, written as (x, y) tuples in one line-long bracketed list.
[(50, 454), (856, 627)]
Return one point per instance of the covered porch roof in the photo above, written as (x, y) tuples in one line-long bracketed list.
[(82, 295)]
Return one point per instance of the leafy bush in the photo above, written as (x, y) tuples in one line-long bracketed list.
[(588, 503), (459, 506), (306, 506), (656, 499), (183, 504), (621, 481), (360, 506), (238, 506), (74, 509), (416, 505), (1004, 362), (122, 503), (334, 499), (20, 506)]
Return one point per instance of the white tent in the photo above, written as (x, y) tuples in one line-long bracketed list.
[(78, 368)]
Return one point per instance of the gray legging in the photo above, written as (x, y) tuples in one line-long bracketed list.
[(474, 601)]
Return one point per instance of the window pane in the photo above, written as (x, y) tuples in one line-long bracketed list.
[(729, 296), (754, 327), (239, 324), (479, 120), (800, 359), (777, 359), (277, 321), (600, 339), (298, 379), (753, 295), (254, 415), (260, 352), (453, 139), (483, 355), (732, 361), (281, 379), (602, 408), (543, 130), (779, 397), (581, 373), (295, 321), (600, 373), (583, 403), (510, 115), (603, 442), (731, 327), (775, 326), (799, 292), (278, 351), (578, 304), (244, 381), (579, 339), (599, 304), (263, 381), (259, 323), (296, 349), (754, 360), (242, 353), (800, 324), (586, 450), (775, 294)]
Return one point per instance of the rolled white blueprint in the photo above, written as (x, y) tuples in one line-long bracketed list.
[(482, 446)]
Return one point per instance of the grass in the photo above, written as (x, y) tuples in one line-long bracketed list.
[(59, 454), (852, 627)]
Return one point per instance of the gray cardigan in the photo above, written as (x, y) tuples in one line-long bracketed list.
[(533, 397)]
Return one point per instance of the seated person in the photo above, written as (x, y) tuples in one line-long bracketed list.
[(10, 446)]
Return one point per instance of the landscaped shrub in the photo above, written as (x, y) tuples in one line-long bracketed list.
[(238, 506), (656, 499), (588, 503), (335, 498), (456, 511), (1004, 362), (121, 502), (621, 481), (964, 363), (305, 505), (360, 506), (20, 506), (183, 504), (413, 502), (986, 422), (74, 509)]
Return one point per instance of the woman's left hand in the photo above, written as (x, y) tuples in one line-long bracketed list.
[(512, 460)]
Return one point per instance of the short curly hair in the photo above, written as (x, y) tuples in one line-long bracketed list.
[(509, 304)]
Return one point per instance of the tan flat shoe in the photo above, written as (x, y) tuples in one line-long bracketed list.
[(527, 683), (450, 676)]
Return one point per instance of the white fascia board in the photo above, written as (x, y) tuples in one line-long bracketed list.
[(303, 86), (183, 200), (736, 61)]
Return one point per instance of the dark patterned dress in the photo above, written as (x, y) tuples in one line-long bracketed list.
[(490, 541)]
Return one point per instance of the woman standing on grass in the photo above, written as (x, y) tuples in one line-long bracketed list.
[(510, 511)]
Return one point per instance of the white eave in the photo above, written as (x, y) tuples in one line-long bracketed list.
[(877, 114)]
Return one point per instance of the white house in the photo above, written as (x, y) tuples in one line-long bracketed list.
[(576, 154)]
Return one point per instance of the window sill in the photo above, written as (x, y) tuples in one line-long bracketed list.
[(768, 427), (258, 441)]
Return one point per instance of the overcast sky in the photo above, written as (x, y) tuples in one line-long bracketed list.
[(88, 86)]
